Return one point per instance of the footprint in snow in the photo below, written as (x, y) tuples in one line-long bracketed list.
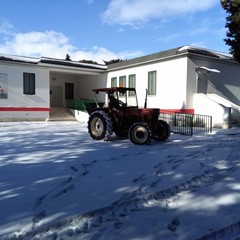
[(139, 178), (39, 216), (172, 226)]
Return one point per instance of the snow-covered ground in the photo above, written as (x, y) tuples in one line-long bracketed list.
[(57, 183)]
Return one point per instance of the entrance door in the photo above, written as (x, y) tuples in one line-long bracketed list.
[(56, 93), (202, 82), (69, 91)]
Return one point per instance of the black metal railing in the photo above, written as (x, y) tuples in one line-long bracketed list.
[(186, 124)]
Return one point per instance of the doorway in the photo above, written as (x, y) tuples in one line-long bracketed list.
[(202, 82), (56, 93), (69, 91)]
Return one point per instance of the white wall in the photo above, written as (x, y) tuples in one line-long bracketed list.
[(225, 83), (220, 113), (89, 82), (16, 98), (83, 84), (171, 83)]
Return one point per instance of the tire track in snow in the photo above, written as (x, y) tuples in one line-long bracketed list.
[(94, 224), (231, 231)]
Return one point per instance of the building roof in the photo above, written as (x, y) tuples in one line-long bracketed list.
[(51, 61), (172, 53), (14, 58)]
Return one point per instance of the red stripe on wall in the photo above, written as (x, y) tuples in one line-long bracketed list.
[(24, 109), (42, 109), (188, 111)]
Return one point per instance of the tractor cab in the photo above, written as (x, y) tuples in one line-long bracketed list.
[(116, 97)]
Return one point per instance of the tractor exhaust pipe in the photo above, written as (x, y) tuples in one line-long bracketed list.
[(145, 104)]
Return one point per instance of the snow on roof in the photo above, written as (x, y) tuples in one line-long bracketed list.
[(205, 52), (55, 61), (210, 69), (8, 57), (72, 63)]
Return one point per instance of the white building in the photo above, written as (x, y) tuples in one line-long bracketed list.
[(30, 87), (186, 79)]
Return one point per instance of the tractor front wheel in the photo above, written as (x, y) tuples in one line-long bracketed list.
[(100, 126), (161, 131), (139, 133)]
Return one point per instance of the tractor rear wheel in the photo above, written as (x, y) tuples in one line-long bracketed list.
[(139, 133), (100, 126), (161, 131)]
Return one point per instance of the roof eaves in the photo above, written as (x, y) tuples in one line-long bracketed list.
[(205, 52), (172, 53), (74, 64), (146, 59), (13, 58)]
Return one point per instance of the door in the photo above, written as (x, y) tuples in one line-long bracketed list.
[(202, 82), (69, 91), (56, 96)]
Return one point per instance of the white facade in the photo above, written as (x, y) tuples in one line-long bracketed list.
[(188, 80), (171, 83), (50, 79), (15, 104)]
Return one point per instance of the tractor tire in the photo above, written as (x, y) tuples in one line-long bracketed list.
[(139, 133), (100, 126), (161, 131)]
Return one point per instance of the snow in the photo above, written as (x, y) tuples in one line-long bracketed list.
[(194, 48), (73, 63), (20, 58), (58, 183)]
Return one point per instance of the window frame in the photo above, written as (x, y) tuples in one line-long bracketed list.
[(29, 83), (122, 81), (114, 82), (132, 84), (152, 83)]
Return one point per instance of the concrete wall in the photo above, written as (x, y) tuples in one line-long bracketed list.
[(21, 106), (225, 85), (220, 113), (83, 84), (89, 82), (171, 83)]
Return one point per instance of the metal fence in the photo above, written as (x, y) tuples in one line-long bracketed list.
[(186, 124)]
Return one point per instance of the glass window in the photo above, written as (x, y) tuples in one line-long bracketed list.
[(122, 81), (152, 82), (113, 82), (132, 83), (29, 83)]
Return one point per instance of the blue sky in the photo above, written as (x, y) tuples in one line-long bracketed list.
[(107, 29)]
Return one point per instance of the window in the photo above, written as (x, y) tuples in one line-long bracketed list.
[(3, 86), (132, 83), (113, 82), (152, 82), (29, 83), (122, 81)]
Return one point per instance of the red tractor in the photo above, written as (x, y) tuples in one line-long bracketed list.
[(117, 111)]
